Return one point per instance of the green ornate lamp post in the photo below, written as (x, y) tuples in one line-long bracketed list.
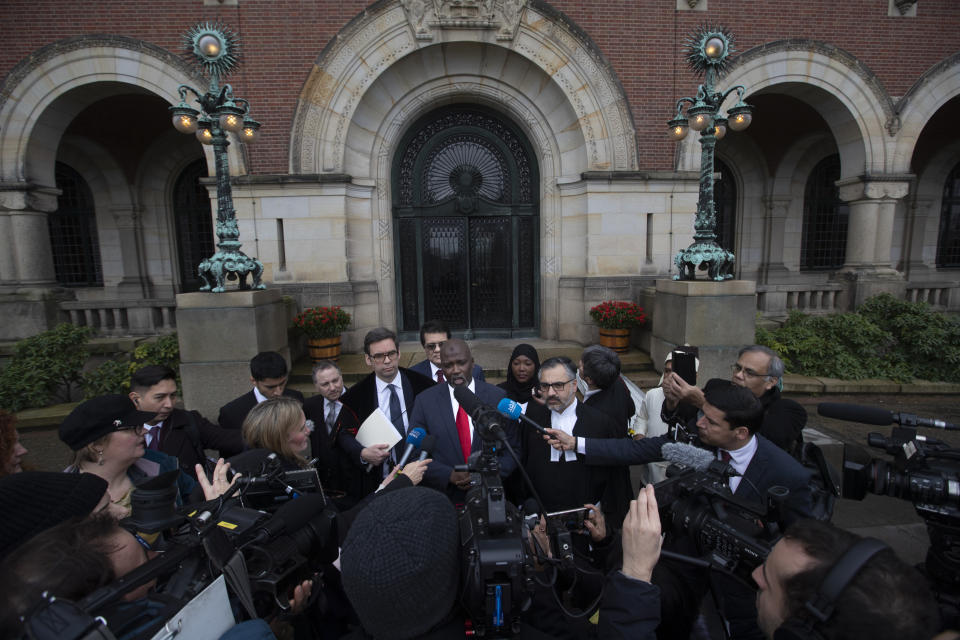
[(216, 51), (707, 51)]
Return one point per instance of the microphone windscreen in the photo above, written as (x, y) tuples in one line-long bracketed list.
[(428, 443), (687, 454), (855, 413), (416, 436), (509, 408), (467, 399)]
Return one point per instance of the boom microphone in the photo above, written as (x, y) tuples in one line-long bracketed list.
[(414, 438), (882, 417), (688, 455), (467, 399), (427, 446), (514, 411)]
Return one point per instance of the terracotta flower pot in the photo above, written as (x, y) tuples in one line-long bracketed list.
[(616, 339), (324, 348)]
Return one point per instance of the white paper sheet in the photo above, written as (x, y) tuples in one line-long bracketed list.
[(377, 429)]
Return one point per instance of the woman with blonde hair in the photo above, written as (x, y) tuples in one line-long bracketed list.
[(278, 426)]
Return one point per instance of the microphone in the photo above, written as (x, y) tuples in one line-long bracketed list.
[(688, 455), (514, 411), (427, 446), (292, 516), (414, 438), (467, 399), (882, 417)]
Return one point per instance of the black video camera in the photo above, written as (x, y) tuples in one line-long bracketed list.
[(735, 535)]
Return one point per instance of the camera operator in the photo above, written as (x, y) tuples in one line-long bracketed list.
[(401, 570), (760, 370), (731, 416), (884, 598)]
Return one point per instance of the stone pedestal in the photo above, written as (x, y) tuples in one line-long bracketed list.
[(219, 333), (717, 317)]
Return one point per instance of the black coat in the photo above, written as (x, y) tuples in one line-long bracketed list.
[(185, 435), (235, 412), (358, 403), (616, 402), (332, 462)]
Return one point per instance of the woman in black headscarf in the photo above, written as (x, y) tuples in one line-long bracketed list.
[(522, 373)]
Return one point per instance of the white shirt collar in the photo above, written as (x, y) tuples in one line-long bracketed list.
[(740, 460), (259, 396), (591, 392), (382, 386)]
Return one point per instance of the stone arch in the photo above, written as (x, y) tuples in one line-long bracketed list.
[(840, 88), (385, 34), (935, 88), (927, 204), (69, 75)]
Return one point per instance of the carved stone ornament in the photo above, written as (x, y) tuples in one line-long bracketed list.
[(904, 5), (426, 15)]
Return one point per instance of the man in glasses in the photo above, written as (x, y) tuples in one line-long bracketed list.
[(390, 388), (433, 334), (760, 370)]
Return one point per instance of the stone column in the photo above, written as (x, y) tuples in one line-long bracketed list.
[(867, 270), (774, 230), (133, 283), (29, 301)]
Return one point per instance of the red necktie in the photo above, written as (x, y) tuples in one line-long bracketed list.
[(440, 377), (725, 455), (463, 430)]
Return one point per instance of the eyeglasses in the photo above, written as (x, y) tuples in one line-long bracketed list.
[(434, 346), (381, 357), (137, 429), (556, 386), (750, 373)]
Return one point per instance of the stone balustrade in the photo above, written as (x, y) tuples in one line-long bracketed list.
[(122, 317), (809, 298)]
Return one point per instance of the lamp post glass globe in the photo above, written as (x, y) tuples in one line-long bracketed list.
[(714, 48), (231, 122), (740, 120), (205, 135), (209, 45), (185, 123)]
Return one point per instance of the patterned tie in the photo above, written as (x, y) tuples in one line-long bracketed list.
[(331, 416), (396, 413), (463, 430), (440, 377)]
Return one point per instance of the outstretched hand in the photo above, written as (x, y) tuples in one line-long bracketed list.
[(559, 440), (219, 485)]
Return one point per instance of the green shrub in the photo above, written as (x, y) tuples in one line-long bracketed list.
[(113, 376), (885, 338), (45, 368)]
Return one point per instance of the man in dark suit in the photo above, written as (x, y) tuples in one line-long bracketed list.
[(760, 370), (439, 413), (731, 419), (324, 410), (176, 432), (433, 334), (599, 370), (268, 373), (390, 388)]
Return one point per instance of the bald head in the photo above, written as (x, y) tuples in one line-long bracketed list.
[(456, 362)]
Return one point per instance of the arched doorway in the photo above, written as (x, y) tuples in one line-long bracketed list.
[(73, 232), (466, 220), (194, 224)]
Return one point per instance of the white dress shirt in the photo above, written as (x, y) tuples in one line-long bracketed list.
[(565, 422), (383, 398), (740, 460), (456, 405)]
